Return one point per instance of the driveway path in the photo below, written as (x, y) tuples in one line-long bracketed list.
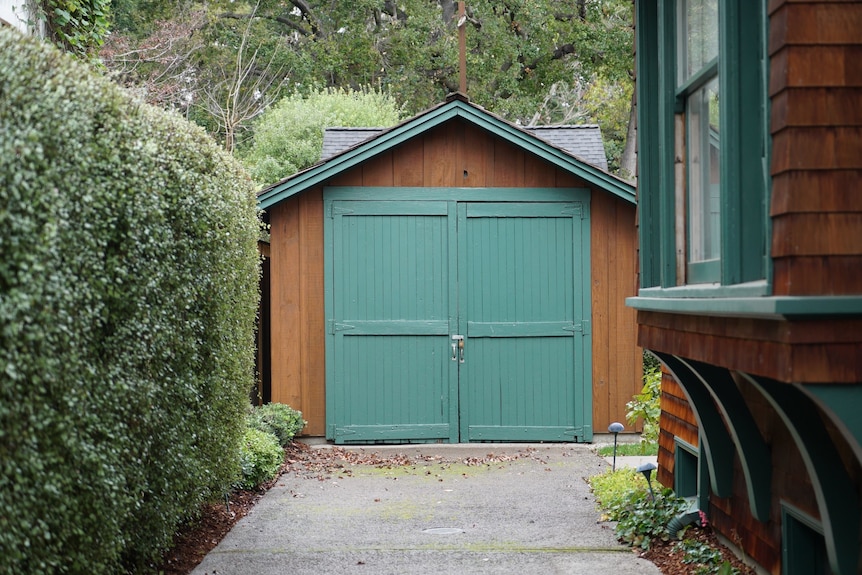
[(509, 509)]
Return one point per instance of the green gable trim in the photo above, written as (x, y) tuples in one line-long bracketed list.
[(452, 109), (769, 307)]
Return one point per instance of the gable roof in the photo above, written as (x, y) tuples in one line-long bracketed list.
[(583, 141), (455, 106)]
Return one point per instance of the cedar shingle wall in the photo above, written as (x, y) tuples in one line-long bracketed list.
[(677, 420), (815, 86)]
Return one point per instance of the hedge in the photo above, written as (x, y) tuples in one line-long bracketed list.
[(128, 290)]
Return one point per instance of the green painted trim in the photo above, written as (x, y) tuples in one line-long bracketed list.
[(396, 327), (647, 63), (319, 174), (792, 518), (703, 272), (714, 438), (329, 308), (699, 80), (776, 307), (842, 403), (521, 329), (455, 401), (526, 195), (370, 433), (753, 452), (586, 360), (666, 190), (751, 289), (533, 434), (682, 473), (834, 490)]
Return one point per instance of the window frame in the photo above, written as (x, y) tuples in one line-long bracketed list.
[(744, 150)]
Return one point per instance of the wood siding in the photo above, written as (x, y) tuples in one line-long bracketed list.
[(617, 361), (455, 154), (815, 86), (812, 351), (677, 420)]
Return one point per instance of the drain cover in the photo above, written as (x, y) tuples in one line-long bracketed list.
[(443, 530)]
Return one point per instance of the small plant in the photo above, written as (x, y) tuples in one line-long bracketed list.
[(646, 405), (697, 553), (642, 519), (611, 487), (705, 557), (278, 419), (260, 457)]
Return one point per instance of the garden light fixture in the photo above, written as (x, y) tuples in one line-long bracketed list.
[(647, 469), (615, 428)]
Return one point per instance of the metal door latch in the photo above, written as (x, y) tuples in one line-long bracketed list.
[(458, 348)]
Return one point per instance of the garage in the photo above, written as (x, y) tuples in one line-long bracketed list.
[(406, 308)]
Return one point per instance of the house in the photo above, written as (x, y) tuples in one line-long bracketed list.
[(454, 278), (21, 14), (750, 234)]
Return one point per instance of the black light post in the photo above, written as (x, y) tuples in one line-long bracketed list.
[(615, 428)]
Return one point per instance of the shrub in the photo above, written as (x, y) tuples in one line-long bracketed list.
[(647, 405), (625, 498), (128, 291), (260, 457), (640, 519), (278, 419)]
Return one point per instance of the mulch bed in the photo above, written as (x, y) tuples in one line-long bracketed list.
[(194, 540)]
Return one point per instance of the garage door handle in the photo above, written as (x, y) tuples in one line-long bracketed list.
[(458, 348)]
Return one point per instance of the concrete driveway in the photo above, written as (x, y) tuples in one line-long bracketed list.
[(529, 511)]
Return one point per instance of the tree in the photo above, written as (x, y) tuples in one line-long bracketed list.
[(289, 136), (517, 50)]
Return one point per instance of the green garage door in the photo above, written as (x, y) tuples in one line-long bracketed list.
[(456, 320)]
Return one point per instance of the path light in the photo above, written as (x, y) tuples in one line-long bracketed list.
[(615, 428), (647, 469)]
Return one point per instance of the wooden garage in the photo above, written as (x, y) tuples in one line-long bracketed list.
[(455, 278)]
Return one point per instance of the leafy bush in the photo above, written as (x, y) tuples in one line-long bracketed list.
[(611, 487), (625, 498), (647, 405), (640, 519), (128, 291), (707, 559), (278, 419), (289, 136), (260, 457)]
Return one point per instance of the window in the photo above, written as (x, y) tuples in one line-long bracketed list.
[(803, 548), (697, 91), (703, 143)]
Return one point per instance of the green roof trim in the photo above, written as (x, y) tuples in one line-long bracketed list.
[(455, 107)]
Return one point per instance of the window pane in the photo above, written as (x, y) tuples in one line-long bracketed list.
[(697, 23), (704, 197)]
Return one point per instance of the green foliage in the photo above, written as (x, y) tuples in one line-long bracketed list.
[(612, 487), (697, 552), (706, 558), (640, 519), (289, 136), (278, 419), (260, 457), (517, 52), (78, 26), (625, 498), (128, 292), (640, 448), (647, 405)]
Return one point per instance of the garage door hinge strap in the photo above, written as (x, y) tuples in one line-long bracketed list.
[(583, 327), (335, 326)]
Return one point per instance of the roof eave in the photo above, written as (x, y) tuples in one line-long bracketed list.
[(318, 174)]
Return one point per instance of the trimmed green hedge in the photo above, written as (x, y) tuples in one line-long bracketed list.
[(128, 290)]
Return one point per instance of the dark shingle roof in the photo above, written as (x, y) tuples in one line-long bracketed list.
[(583, 141)]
